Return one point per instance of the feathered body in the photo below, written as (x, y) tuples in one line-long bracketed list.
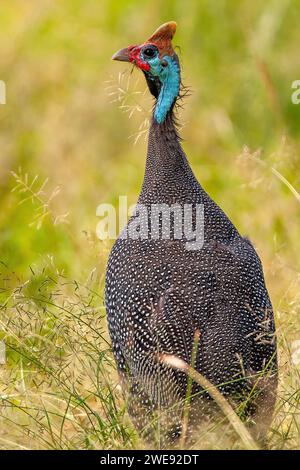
[(159, 294)]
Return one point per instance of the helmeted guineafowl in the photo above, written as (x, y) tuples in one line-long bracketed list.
[(162, 290)]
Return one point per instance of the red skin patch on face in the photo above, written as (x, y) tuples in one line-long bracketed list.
[(135, 57)]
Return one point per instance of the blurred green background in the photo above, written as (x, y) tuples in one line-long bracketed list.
[(73, 135), (239, 58)]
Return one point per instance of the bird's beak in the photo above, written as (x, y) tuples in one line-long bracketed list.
[(122, 55)]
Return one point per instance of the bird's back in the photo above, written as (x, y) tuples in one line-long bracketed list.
[(184, 284), (159, 293)]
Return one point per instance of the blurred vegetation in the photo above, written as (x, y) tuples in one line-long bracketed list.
[(66, 146)]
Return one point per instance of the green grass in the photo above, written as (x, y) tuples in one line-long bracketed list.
[(72, 135)]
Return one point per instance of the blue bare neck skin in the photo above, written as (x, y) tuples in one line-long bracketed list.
[(168, 72)]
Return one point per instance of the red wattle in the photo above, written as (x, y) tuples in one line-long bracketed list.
[(136, 59)]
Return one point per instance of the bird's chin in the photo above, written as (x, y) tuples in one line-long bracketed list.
[(154, 84)]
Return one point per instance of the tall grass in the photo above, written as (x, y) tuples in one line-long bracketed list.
[(58, 386)]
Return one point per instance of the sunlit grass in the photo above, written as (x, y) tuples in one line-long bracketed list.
[(66, 146), (58, 389)]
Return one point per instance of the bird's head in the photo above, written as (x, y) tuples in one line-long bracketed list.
[(157, 59)]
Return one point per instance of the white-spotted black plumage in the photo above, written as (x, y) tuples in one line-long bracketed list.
[(158, 294)]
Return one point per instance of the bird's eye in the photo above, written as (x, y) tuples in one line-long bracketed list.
[(149, 52)]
